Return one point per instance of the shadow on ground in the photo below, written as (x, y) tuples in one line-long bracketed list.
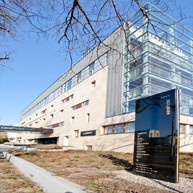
[(119, 162)]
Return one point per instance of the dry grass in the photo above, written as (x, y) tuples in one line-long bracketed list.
[(186, 165), (46, 146), (91, 169), (12, 181)]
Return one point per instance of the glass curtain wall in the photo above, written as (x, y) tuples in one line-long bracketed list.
[(159, 57)]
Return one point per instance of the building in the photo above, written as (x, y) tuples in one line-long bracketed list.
[(92, 104)]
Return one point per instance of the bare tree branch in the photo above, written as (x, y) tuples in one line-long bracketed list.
[(79, 25)]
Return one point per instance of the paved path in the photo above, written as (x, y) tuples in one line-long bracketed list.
[(47, 180), (7, 148)]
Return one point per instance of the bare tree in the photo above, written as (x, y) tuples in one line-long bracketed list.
[(79, 25), (13, 13)]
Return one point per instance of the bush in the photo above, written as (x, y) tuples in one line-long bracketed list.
[(3, 140)]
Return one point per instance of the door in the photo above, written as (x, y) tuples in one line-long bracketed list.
[(65, 141)]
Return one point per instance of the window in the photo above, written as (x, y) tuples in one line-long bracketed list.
[(76, 133), (88, 147), (65, 100), (130, 127), (118, 128), (60, 90), (191, 129), (44, 111), (61, 124), (68, 98), (64, 88), (191, 111), (78, 77), (136, 83), (91, 68), (72, 119), (55, 94), (74, 108), (55, 125), (182, 129), (51, 96), (85, 103), (110, 129), (71, 96), (93, 83), (47, 100), (87, 118), (69, 84), (61, 111), (160, 83)]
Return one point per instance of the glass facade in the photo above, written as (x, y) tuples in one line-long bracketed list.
[(158, 57)]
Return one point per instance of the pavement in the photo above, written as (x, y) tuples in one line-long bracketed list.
[(8, 148)]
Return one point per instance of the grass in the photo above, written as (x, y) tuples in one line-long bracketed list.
[(94, 170), (11, 180), (46, 146), (186, 164)]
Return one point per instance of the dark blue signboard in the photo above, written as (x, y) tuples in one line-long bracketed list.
[(156, 136)]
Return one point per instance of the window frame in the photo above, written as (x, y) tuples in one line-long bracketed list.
[(76, 133), (91, 68)]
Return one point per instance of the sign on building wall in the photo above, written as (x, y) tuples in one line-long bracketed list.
[(156, 136), (88, 133), (22, 128)]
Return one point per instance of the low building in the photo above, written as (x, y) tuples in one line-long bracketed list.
[(91, 106)]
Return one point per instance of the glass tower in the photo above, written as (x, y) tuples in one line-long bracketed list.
[(158, 57)]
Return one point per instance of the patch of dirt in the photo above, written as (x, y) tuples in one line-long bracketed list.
[(11, 180)]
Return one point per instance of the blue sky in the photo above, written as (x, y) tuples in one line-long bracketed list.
[(35, 66)]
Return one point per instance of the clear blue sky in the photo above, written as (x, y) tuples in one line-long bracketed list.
[(35, 66)]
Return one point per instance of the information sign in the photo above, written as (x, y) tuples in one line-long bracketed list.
[(156, 136)]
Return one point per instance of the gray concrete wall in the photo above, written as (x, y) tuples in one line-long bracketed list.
[(115, 76)]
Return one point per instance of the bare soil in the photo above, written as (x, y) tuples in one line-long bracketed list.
[(97, 170), (12, 181)]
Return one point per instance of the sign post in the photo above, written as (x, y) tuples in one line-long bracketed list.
[(156, 145)]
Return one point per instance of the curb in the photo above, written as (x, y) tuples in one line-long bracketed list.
[(46, 180)]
